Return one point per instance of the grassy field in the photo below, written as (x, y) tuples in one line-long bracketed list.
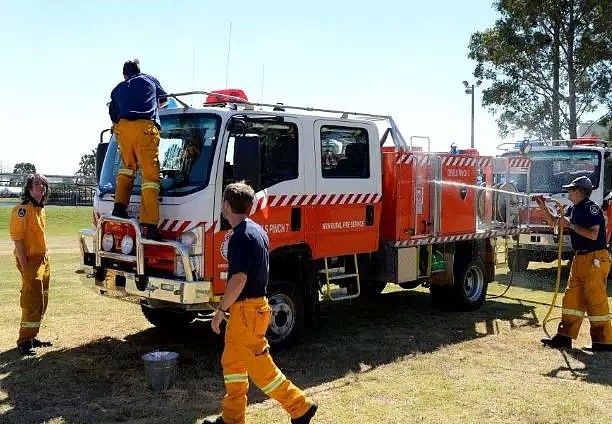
[(390, 360)]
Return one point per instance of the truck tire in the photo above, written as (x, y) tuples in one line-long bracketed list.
[(469, 290), (517, 261), (167, 319), (287, 321)]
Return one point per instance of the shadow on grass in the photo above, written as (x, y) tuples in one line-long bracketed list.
[(543, 279), (597, 367), (103, 380)]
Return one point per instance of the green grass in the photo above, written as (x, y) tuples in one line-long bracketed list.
[(62, 221), (391, 360)]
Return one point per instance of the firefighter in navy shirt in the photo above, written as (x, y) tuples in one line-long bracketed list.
[(134, 111), (246, 353), (586, 288)]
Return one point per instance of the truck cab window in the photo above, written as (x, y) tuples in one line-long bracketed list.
[(344, 152), (278, 153)]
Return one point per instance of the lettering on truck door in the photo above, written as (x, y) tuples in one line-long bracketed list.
[(346, 209)]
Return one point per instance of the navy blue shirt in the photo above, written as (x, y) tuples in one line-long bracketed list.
[(136, 98), (247, 252), (587, 214)]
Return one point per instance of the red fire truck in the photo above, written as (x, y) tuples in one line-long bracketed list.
[(349, 206)]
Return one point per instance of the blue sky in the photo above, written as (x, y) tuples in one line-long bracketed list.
[(404, 58)]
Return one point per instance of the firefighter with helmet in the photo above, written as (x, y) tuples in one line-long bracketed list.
[(586, 288)]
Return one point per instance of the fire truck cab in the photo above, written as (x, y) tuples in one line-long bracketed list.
[(554, 164), (349, 206)]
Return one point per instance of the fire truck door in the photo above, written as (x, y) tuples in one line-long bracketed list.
[(267, 154), (344, 215)]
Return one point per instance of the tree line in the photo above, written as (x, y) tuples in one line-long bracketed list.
[(548, 63)]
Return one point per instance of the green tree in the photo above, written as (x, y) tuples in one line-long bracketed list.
[(24, 168), (87, 165), (548, 62)]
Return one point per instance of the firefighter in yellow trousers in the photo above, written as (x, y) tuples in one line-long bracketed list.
[(586, 288), (134, 111), (246, 352), (27, 228)]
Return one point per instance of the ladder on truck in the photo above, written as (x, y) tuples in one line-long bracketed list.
[(340, 273)]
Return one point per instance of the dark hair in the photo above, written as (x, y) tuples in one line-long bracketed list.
[(131, 68), (239, 196), (25, 193)]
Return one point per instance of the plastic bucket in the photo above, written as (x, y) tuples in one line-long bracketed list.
[(160, 369)]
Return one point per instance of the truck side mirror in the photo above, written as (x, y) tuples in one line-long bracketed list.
[(236, 125), (247, 160), (101, 150)]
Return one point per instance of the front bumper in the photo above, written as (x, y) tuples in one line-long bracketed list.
[(127, 286), (186, 292)]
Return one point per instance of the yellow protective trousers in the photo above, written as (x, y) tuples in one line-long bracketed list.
[(139, 146), (246, 354), (34, 295), (587, 291)]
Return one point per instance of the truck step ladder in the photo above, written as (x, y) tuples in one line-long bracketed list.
[(340, 274)]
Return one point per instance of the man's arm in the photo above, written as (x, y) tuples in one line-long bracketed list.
[(591, 232), (548, 216), (232, 291)]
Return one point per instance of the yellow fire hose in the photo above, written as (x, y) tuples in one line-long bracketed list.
[(552, 305), (561, 214)]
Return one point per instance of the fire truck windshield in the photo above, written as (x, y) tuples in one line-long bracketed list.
[(551, 169), (186, 150)]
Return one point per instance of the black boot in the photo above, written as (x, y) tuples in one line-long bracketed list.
[(305, 419), (26, 349), (217, 420), (150, 231), (120, 210), (558, 341), (41, 343)]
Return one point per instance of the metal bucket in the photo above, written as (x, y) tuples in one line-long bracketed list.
[(160, 369)]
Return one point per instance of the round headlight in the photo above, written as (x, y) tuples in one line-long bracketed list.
[(127, 244), (188, 238), (107, 242)]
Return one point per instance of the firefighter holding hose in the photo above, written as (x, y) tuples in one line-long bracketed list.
[(586, 287)]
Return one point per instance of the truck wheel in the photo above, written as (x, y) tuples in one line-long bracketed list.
[(167, 319), (517, 261), (287, 321), (470, 288)]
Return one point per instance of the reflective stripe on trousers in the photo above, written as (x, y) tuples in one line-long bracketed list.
[(246, 354), (587, 291), (34, 296), (139, 146)]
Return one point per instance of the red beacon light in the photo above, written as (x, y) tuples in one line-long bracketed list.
[(228, 95), (588, 141), (470, 152)]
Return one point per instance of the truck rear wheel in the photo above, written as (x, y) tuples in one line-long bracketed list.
[(287, 321), (470, 288), (167, 319)]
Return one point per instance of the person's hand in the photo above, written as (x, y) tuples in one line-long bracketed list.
[(216, 321), (540, 201), (564, 222)]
